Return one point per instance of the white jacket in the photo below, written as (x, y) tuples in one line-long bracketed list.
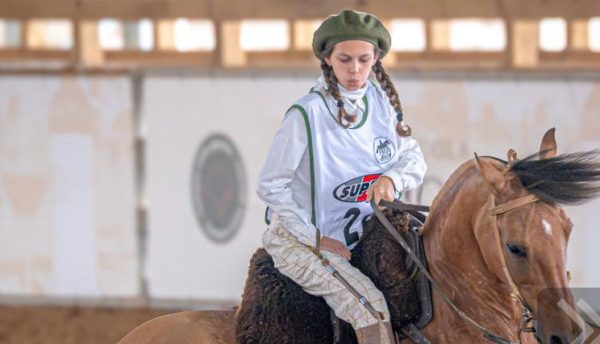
[(284, 181)]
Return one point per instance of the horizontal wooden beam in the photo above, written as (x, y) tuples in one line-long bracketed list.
[(95, 9), (158, 58), (296, 9), (33, 55)]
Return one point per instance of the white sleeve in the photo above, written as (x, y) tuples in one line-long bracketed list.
[(287, 150), (408, 172)]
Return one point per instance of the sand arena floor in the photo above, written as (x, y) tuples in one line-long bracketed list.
[(70, 325)]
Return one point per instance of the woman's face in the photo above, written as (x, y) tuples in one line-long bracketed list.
[(352, 62)]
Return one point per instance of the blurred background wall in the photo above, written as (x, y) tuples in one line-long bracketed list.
[(68, 187), (132, 132)]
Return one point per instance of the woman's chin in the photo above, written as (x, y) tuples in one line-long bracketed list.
[(353, 86)]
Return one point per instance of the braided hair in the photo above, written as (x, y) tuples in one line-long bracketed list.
[(344, 118), (390, 90)]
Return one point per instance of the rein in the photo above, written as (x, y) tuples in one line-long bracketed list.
[(494, 211)]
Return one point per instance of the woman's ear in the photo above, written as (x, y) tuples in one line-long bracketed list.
[(377, 55), (328, 61)]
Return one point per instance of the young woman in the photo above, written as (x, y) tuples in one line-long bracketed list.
[(339, 146)]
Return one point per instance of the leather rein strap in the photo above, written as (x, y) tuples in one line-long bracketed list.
[(403, 206), (494, 212)]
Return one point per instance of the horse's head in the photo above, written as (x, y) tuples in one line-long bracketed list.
[(523, 233)]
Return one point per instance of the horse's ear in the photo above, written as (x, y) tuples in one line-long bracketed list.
[(548, 145), (511, 155), (491, 174)]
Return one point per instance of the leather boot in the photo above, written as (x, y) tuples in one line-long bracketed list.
[(380, 333)]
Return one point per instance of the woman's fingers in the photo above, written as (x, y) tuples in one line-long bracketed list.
[(383, 188), (344, 252), (335, 247)]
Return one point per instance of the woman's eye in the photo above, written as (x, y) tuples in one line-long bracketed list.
[(517, 250)]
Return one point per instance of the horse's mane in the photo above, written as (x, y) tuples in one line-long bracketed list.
[(565, 179)]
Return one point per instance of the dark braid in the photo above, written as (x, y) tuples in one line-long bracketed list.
[(388, 86), (344, 118)]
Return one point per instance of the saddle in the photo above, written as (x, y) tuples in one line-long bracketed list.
[(275, 309)]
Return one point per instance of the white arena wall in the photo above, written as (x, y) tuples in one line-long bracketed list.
[(68, 192), (67, 200)]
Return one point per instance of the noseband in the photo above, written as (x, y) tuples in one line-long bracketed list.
[(527, 324)]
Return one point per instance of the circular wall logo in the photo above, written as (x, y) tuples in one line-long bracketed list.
[(218, 188)]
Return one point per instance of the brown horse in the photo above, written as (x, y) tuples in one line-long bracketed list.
[(495, 240)]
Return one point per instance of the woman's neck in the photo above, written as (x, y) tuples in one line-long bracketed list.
[(353, 95)]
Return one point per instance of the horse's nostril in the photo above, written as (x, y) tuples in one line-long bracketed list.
[(555, 340)]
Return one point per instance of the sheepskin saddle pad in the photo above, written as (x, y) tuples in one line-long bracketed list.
[(275, 309)]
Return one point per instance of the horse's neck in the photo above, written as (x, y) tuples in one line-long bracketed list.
[(456, 262)]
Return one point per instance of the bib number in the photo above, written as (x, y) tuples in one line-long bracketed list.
[(351, 237)]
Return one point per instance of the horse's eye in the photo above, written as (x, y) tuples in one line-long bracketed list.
[(519, 251)]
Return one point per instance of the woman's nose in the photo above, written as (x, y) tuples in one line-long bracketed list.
[(354, 66)]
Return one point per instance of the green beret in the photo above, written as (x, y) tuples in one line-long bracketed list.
[(351, 25)]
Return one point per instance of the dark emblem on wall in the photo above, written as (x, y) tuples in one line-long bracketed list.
[(218, 188)]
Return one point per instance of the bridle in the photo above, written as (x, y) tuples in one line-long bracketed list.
[(527, 320)]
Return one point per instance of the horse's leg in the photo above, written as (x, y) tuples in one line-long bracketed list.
[(209, 327)]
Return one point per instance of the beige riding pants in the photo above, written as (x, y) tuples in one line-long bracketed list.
[(299, 263)]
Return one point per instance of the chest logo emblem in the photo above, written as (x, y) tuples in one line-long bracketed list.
[(384, 149)]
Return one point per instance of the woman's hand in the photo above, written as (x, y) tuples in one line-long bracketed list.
[(383, 188), (336, 247)]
